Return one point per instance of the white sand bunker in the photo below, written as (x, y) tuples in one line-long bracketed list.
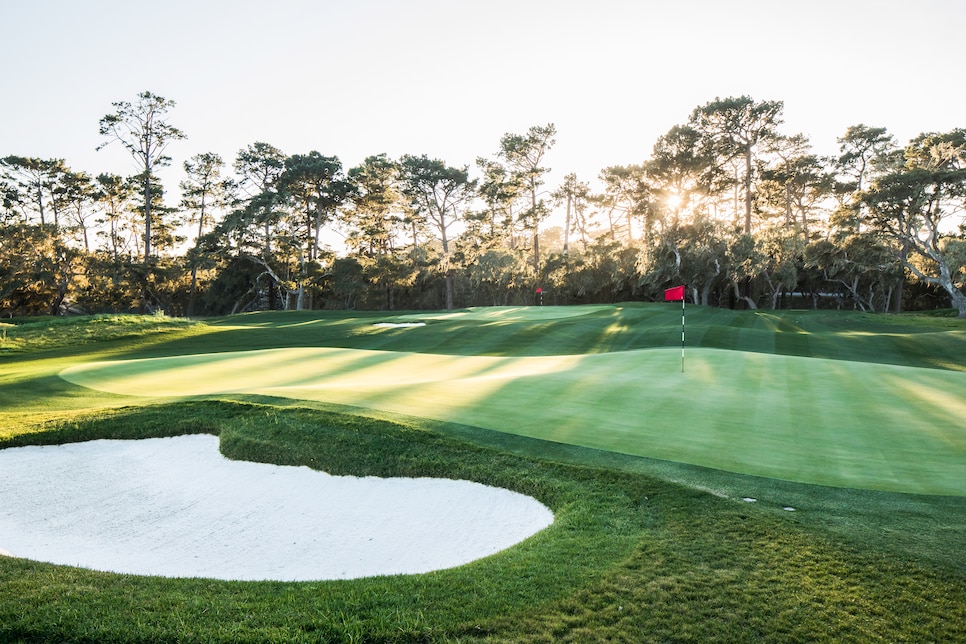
[(398, 325), (175, 507)]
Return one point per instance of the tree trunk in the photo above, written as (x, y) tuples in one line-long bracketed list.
[(566, 244), (897, 299), (449, 289), (147, 213), (536, 248), (734, 195), (956, 295), (300, 300), (191, 292), (747, 299), (536, 229), (748, 191), (267, 255), (40, 203), (789, 219), (959, 301)]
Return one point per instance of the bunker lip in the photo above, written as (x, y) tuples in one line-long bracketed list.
[(175, 507)]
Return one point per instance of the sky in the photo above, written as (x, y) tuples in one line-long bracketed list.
[(448, 78)]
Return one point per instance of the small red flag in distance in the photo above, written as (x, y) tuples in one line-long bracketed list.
[(675, 294), (539, 290)]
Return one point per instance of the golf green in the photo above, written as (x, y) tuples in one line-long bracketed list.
[(832, 422)]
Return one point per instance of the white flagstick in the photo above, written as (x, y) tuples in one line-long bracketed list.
[(682, 334)]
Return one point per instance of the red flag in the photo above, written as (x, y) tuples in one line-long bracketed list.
[(675, 294)]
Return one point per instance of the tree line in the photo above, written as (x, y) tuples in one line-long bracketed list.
[(726, 203)]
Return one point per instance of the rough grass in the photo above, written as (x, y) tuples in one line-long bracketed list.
[(630, 557), (38, 334), (642, 550)]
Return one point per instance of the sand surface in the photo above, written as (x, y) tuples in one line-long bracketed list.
[(175, 507)]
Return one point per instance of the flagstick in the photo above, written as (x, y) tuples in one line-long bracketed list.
[(682, 335)]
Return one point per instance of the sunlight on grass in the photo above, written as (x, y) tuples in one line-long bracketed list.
[(303, 369), (510, 313), (769, 415)]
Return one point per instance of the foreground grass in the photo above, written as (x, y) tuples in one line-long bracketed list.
[(630, 557), (641, 550), (104, 607)]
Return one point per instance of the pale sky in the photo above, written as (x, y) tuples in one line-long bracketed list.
[(448, 78)]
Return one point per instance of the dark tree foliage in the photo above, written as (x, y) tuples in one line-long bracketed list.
[(741, 213)]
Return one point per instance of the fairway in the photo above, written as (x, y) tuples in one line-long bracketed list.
[(832, 422)]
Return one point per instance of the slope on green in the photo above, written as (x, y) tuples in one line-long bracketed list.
[(833, 422)]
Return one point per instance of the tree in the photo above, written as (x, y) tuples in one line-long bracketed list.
[(738, 127), (682, 177), (204, 192), (438, 193), (694, 252), (865, 152), (605, 271), (258, 168), (32, 187), (113, 197), (916, 205), (787, 149), (862, 267), (36, 270), (576, 194), (524, 154), (626, 196), (141, 129), (78, 195), (372, 222), (797, 184), (313, 185), (500, 191), (346, 281), (781, 251), (496, 275)]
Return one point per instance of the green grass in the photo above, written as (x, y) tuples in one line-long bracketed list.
[(37, 334), (642, 549), (816, 420)]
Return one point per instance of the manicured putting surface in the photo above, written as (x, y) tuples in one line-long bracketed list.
[(833, 422)]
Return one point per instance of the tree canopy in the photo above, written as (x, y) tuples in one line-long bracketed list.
[(742, 213)]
